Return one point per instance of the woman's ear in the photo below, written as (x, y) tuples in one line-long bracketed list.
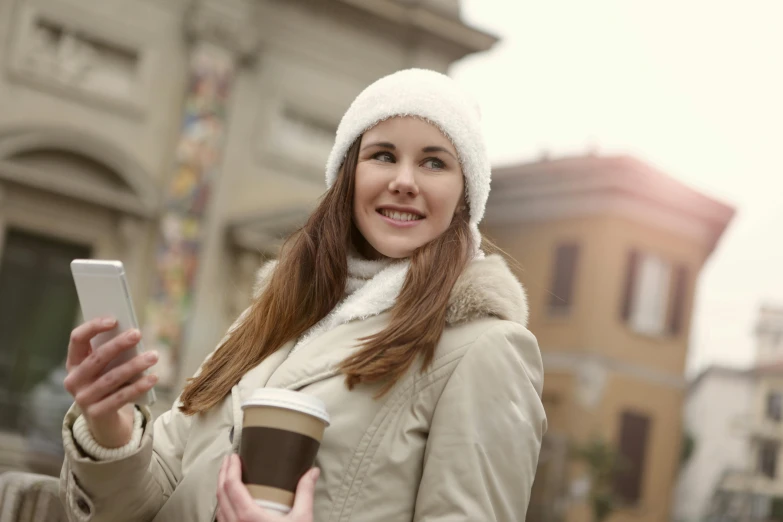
[(461, 206)]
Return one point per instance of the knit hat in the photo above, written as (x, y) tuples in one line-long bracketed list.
[(436, 98)]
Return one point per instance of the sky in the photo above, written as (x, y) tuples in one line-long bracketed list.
[(694, 88)]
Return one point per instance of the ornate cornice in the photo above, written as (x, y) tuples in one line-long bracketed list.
[(427, 21)]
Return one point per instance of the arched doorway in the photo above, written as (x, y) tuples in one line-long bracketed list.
[(64, 194)]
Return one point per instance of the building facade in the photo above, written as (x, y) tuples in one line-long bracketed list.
[(609, 250), (753, 491), (718, 404), (182, 137)]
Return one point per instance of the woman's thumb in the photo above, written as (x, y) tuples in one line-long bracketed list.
[(305, 490)]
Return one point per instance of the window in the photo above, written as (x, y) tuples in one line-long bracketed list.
[(563, 278), (648, 312), (775, 406), (768, 458), (654, 295), (634, 432)]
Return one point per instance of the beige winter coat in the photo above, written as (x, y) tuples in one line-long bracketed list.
[(458, 442)]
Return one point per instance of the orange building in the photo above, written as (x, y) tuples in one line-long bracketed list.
[(609, 250)]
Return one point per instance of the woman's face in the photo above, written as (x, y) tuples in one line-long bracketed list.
[(407, 188)]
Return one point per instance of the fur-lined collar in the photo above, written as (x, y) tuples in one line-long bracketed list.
[(486, 288)]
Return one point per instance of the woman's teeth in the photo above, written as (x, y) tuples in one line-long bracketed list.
[(399, 216)]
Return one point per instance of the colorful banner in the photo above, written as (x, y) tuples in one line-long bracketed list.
[(182, 223)]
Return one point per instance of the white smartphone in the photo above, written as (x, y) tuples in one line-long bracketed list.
[(103, 291)]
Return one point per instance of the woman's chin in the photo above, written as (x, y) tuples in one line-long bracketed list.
[(395, 251)]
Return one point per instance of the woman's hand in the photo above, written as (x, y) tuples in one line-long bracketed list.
[(106, 400), (236, 505)]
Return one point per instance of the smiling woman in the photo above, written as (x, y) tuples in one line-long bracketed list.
[(408, 186), (384, 307)]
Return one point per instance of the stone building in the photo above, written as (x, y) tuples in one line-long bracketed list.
[(182, 137)]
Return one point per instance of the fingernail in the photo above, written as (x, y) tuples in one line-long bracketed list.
[(151, 356), (134, 335), (108, 321)]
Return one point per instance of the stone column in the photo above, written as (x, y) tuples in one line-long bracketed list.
[(221, 39)]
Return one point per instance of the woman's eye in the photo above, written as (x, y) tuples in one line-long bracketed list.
[(434, 163), (384, 156)]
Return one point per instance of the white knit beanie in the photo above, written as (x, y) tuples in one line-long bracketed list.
[(436, 98)]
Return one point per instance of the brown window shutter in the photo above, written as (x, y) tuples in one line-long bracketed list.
[(679, 295), (564, 276), (634, 432), (631, 273), (768, 458)]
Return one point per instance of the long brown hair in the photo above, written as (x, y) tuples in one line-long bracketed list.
[(309, 281)]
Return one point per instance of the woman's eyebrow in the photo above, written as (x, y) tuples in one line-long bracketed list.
[(382, 144), (436, 148)]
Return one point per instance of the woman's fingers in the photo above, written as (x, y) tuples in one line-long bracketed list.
[(88, 370), (79, 345), (115, 378), (305, 492), (225, 509), (125, 395), (242, 503), (222, 517)]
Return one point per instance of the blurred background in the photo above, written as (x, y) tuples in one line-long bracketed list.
[(636, 183)]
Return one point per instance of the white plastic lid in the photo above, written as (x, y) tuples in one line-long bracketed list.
[(290, 400)]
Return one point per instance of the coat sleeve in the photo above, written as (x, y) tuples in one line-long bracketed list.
[(132, 488), (486, 431)]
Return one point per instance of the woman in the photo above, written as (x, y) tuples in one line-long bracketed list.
[(384, 307)]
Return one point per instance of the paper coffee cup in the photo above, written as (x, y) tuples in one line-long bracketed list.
[(281, 435)]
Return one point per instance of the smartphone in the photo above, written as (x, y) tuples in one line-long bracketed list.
[(103, 291)]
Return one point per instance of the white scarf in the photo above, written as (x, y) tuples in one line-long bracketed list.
[(372, 288)]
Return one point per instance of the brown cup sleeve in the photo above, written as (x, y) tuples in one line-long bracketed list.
[(276, 458)]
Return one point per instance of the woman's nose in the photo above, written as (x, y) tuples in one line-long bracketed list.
[(404, 182)]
